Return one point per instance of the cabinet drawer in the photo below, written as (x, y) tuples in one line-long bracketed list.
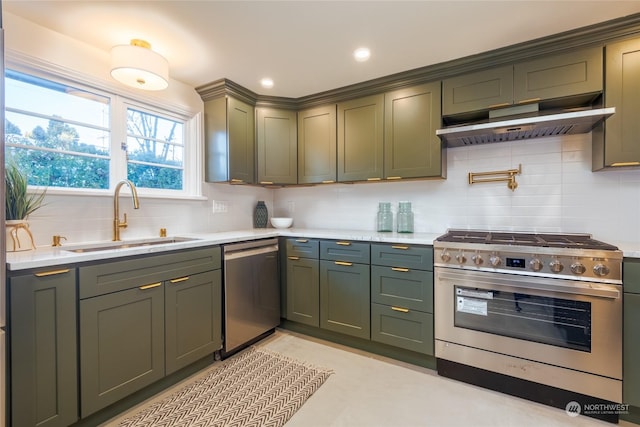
[(344, 250), (303, 248), (401, 255), (631, 275), (120, 275), (411, 330), (402, 287)]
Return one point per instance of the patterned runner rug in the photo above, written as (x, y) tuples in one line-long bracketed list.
[(257, 387)]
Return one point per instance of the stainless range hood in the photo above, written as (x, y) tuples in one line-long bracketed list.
[(512, 129)]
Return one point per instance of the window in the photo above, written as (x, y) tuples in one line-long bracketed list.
[(67, 136)]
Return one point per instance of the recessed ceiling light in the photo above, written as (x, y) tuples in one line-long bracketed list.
[(361, 54), (266, 83)]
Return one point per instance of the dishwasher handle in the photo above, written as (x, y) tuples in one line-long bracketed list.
[(242, 250)]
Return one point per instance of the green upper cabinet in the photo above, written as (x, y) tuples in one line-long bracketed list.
[(411, 147), (550, 77), (360, 139), (277, 146), (229, 141), (620, 145), (317, 145)]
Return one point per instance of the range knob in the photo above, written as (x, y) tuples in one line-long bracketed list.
[(578, 268), (444, 256), (601, 270), (495, 260), (461, 258), (477, 259), (535, 264), (556, 266)]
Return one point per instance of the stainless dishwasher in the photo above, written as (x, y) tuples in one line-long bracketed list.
[(251, 292)]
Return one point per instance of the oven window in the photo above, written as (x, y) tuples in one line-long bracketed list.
[(555, 321)]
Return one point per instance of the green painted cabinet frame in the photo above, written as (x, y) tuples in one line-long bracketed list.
[(301, 280), (631, 334), (411, 147), (317, 145), (619, 146), (361, 139), (229, 141), (277, 146), (42, 335)]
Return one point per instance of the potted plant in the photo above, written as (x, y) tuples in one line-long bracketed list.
[(19, 204)]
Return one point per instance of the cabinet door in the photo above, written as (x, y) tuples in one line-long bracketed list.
[(558, 76), (303, 290), (317, 145), (411, 147), (631, 351), (360, 139), (42, 333), (241, 128), (216, 147), (345, 303), (121, 345), (477, 91), (277, 146), (401, 327), (622, 92), (193, 318)]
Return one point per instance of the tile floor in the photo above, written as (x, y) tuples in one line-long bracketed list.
[(367, 390)]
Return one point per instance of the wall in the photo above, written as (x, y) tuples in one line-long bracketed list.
[(557, 192)]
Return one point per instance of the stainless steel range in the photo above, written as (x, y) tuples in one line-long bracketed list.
[(535, 315)]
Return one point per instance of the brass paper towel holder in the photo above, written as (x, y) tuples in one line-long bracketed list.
[(497, 176)]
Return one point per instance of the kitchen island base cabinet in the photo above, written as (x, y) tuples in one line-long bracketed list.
[(42, 325), (122, 345)]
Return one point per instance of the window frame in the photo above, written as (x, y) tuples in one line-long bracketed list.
[(119, 101)]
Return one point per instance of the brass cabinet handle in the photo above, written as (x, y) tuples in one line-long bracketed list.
[(266, 182), (346, 264), (617, 164), (394, 177), (400, 309), (180, 279), (504, 104), (527, 101), (404, 248), (51, 273), (374, 179), (343, 243), (403, 270), (293, 258), (302, 240), (237, 180), (151, 286), (328, 181)]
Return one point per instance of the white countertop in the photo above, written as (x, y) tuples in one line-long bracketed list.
[(47, 256)]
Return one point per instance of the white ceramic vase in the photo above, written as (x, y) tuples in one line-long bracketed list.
[(18, 236)]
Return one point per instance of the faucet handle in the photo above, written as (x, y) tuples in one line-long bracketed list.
[(56, 240), (123, 224)]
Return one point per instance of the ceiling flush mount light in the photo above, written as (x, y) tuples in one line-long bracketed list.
[(361, 54), (136, 65), (266, 83)]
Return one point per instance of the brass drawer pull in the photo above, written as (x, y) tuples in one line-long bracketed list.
[(293, 258), (403, 270), (343, 243), (153, 285), (400, 309), (504, 104), (266, 182), (302, 240), (180, 279), (328, 181), (394, 177), (346, 264), (237, 181), (51, 273), (528, 101), (374, 179), (404, 248)]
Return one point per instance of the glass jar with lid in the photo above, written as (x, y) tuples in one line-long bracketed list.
[(405, 218), (385, 217)]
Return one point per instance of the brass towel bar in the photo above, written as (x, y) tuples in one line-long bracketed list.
[(494, 176)]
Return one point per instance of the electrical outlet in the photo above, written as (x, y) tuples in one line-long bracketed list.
[(220, 206)]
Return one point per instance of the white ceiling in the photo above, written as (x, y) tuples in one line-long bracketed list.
[(306, 46)]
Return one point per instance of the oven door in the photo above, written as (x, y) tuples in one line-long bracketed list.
[(570, 324)]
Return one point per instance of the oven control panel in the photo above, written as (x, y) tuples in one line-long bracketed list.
[(534, 263)]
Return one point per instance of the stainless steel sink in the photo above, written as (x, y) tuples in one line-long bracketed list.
[(130, 244)]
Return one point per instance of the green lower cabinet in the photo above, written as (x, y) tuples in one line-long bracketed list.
[(631, 380), (401, 327), (303, 291), (42, 338), (122, 345), (345, 302), (193, 318), (403, 287)]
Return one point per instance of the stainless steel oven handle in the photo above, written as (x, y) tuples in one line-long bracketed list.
[(577, 289)]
